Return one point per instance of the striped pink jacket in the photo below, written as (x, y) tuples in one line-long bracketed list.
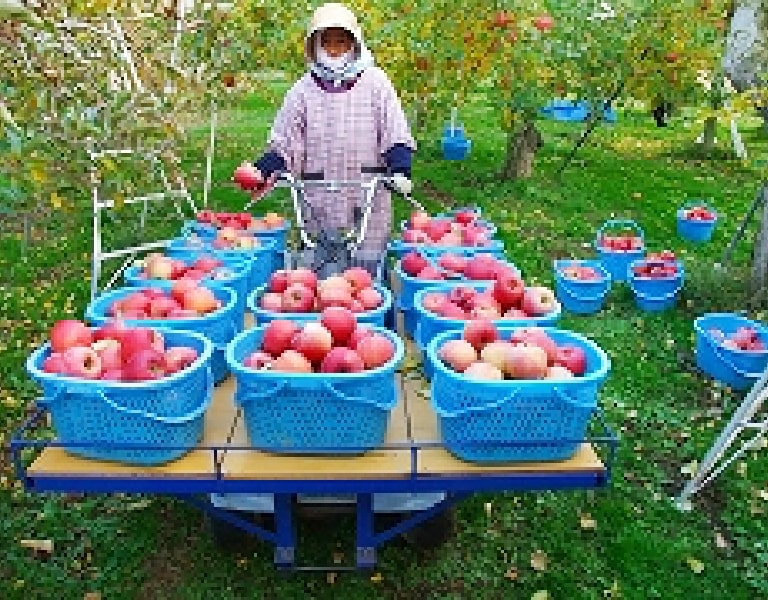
[(337, 133)]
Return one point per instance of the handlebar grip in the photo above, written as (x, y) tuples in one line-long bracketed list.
[(374, 170), (313, 176)]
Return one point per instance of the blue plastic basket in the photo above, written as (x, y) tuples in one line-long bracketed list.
[(428, 324), (739, 369), (399, 248), (261, 259), (237, 280), (220, 326), (313, 413), (692, 230), (278, 235), (616, 262), (410, 321), (144, 423), (582, 296), (516, 420), (410, 285), (655, 295), (371, 317)]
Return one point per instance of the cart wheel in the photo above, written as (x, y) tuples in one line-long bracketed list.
[(434, 532), (230, 538)]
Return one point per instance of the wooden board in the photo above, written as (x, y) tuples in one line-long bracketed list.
[(219, 425), (376, 464)]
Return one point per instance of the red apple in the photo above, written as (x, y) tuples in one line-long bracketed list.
[(430, 273), (370, 298), (180, 287), (558, 372), (68, 333), (413, 263), (457, 354), (483, 370), (335, 282), (375, 350), (342, 360), (538, 300), (543, 22), (136, 339), (495, 353), (571, 357), (297, 297), (526, 362), (82, 361), (144, 365), (481, 267), (508, 290), (247, 177), (109, 352), (434, 301), (278, 281), (291, 361), (272, 302), (334, 295), (304, 276), (54, 363), (451, 310), (258, 360), (537, 337), (480, 332), (359, 278), (452, 262), (415, 236), (179, 358), (313, 341), (420, 220), (278, 335), (159, 308), (200, 299), (360, 332), (110, 330), (340, 321)]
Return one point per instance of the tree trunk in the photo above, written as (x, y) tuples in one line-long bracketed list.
[(522, 146), (760, 253), (708, 136)]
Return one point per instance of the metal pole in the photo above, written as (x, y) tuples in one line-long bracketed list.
[(760, 199), (209, 157)]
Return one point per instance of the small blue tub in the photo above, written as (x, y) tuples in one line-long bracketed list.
[(617, 261), (656, 294), (739, 369), (695, 230), (582, 296)]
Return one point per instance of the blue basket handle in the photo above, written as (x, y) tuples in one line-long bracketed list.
[(666, 296), (233, 331), (485, 407), (716, 349), (243, 398), (626, 223), (571, 294), (692, 203), (142, 413), (345, 397)]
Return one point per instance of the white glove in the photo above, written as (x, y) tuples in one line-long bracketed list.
[(402, 184)]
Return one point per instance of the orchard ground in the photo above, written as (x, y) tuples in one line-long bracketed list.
[(627, 541)]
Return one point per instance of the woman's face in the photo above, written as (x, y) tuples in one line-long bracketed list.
[(336, 41)]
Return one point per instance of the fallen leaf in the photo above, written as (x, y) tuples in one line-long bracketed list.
[(690, 468), (338, 557), (511, 574), (539, 561), (330, 578), (587, 522), (377, 578), (92, 596), (696, 565), (720, 541), (488, 508), (540, 595), (741, 468), (38, 545)]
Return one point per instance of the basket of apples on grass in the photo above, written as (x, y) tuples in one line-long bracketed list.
[(696, 221), (159, 271), (581, 285), (187, 306), (656, 280), (325, 386), (230, 244), (459, 233), (298, 295), (416, 271), (506, 393), (731, 348), (130, 394), (618, 243)]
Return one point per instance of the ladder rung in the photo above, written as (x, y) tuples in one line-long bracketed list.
[(134, 249), (155, 196)]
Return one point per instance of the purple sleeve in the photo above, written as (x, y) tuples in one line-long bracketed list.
[(288, 135), (392, 124)]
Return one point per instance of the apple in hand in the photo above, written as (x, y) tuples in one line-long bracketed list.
[(247, 177)]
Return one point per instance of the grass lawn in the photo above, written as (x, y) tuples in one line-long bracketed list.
[(627, 541)]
